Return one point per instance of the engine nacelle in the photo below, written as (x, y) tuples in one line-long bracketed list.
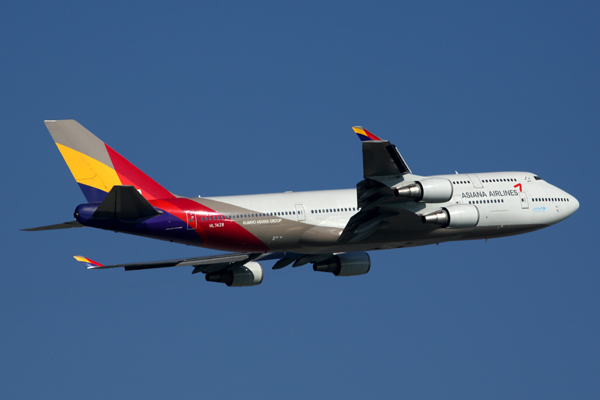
[(345, 264), (249, 274), (434, 190), (455, 216)]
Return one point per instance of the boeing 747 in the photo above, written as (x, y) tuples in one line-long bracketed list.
[(331, 229)]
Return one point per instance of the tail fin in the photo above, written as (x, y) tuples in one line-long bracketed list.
[(96, 167)]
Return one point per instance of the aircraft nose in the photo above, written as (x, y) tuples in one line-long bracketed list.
[(575, 204), (572, 205)]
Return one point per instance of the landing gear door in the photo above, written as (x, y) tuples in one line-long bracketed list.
[(524, 202), (300, 212)]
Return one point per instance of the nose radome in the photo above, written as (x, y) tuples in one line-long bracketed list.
[(572, 205), (575, 204)]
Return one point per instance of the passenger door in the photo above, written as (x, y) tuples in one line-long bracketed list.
[(300, 212), (524, 202)]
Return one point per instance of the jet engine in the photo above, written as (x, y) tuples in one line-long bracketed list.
[(249, 274), (345, 264), (455, 216), (434, 190)]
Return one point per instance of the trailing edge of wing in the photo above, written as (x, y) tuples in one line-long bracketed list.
[(202, 264)]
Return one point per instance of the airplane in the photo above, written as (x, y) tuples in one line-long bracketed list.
[(331, 229)]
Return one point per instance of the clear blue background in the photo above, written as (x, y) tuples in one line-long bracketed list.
[(256, 97)]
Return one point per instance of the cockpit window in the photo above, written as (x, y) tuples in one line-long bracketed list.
[(537, 178)]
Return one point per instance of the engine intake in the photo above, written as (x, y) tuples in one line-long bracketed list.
[(455, 216), (249, 274), (434, 190), (345, 264)]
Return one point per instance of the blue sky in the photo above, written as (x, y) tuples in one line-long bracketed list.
[(234, 98)]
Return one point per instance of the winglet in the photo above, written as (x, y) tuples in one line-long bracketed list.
[(88, 263), (364, 134)]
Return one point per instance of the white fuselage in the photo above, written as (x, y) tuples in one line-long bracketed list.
[(310, 222)]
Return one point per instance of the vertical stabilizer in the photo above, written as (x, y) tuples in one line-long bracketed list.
[(95, 166)]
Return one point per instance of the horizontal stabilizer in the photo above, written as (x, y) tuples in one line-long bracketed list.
[(125, 203), (64, 225)]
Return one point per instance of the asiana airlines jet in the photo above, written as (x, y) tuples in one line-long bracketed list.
[(331, 229)]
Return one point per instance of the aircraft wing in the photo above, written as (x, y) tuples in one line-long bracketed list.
[(380, 157), (365, 223), (383, 168), (203, 264)]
